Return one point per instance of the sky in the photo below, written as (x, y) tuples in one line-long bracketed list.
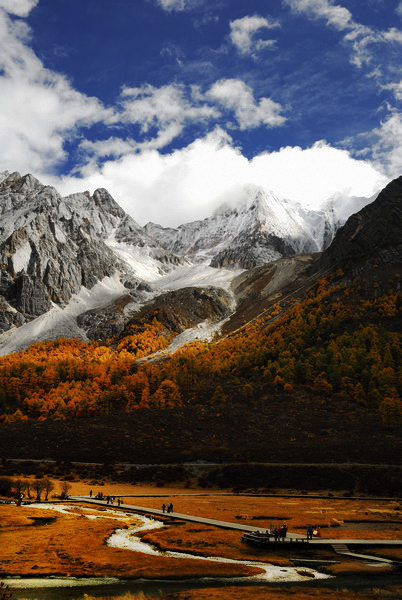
[(177, 106)]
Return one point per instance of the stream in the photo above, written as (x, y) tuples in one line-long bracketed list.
[(74, 588)]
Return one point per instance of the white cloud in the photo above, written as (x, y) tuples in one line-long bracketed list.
[(396, 88), (19, 8), (388, 148), (393, 35), (337, 16), (398, 9), (235, 95), (165, 109), (360, 37), (38, 108), (111, 147), (242, 33), (192, 182), (171, 5)]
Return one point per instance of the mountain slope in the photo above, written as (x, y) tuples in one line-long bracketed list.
[(52, 246), (259, 230), (373, 234), (316, 376)]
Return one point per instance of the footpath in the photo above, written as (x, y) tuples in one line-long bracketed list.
[(341, 546)]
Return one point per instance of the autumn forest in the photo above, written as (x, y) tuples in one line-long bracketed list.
[(334, 342)]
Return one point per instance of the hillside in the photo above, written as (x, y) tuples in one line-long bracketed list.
[(308, 370)]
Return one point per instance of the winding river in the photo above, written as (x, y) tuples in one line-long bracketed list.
[(75, 588)]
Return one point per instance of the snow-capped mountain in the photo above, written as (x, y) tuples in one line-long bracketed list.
[(52, 246), (261, 229), (79, 266)]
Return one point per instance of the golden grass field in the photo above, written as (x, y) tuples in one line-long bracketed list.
[(72, 544)]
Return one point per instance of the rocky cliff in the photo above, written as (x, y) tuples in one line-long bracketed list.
[(372, 235), (261, 229), (52, 246)]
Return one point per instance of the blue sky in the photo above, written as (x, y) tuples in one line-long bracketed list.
[(176, 105)]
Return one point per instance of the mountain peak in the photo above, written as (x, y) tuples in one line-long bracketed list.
[(52, 246), (254, 228)]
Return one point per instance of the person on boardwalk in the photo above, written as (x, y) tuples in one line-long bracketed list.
[(284, 530), (118, 501), (90, 493), (276, 534), (163, 507), (309, 532)]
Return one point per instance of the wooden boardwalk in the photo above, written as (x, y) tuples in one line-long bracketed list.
[(291, 537)]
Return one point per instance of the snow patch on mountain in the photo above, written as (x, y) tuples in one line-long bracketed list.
[(197, 276), (257, 230), (61, 322)]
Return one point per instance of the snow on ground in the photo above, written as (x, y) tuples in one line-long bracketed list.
[(61, 322), (148, 268), (203, 331), (101, 294), (21, 257), (139, 259), (50, 326), (197, 276)]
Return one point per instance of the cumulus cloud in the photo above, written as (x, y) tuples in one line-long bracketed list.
[(161, 114), (165, 109), (38, 108), (243, 34), (190, 183), (19, 8), (393, 35), (236, 96), (338, 16)]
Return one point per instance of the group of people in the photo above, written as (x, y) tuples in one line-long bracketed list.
[(280, 532), (168, 508), (109, 499)]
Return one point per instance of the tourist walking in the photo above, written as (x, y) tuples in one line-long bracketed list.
[(163, 507), (309, 532)]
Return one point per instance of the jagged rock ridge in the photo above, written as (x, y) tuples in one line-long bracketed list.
[(51, 246), (373, 234), (260, 230)]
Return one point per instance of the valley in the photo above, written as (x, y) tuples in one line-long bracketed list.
[(282, 379)]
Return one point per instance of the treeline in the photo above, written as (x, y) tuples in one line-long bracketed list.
[(335, 341), (31, 489)]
